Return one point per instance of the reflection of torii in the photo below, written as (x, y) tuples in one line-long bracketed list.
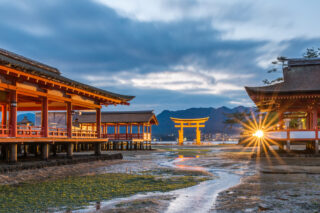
[(194, 122)]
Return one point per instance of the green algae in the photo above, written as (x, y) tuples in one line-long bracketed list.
[(77, 192)]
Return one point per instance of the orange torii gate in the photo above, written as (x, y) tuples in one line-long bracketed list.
[(194, 122)]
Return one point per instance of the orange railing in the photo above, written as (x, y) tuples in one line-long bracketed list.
[(4, 131), (36, 131), (29, 131), (124, 136), (84, 134), (58, 132)]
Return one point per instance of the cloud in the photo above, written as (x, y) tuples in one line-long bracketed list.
[(246, 19), (189, 80), (168, 53)]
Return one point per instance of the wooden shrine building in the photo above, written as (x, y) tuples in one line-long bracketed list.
[(296, 101), (124, 130), (27, 85)]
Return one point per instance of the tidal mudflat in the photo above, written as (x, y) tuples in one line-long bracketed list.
[(223, 178)]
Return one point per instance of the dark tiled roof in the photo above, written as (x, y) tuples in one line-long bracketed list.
[(300, 76), (36, 68), (119, 117)]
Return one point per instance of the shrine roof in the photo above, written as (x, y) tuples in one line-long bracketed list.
[(119, 117), (299, 76), (21, 63)]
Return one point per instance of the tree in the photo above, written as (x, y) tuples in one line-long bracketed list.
[(311, 53), (280, 62), (235, 118)]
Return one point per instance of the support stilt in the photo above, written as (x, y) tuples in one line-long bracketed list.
[(70, 150), (13, 153), (45, 151), (288, 146), (97, 149)]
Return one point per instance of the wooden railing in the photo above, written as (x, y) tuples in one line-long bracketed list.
[(4, 131), (36, 131), (129, 136), (58, 132), (84, 134), (29, 131)]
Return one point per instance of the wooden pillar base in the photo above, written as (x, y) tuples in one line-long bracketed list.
[(45, 151), (70, 150), (97, 149), (13, 153), (25, 150), (288, 146), (54, 150), (316, 147), (4, 152)]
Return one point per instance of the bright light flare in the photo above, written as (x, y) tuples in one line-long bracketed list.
[(259, 133)]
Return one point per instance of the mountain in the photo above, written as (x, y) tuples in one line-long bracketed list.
[(31, 117), (214, 125)]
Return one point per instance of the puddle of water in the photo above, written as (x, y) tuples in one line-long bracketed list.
[(202, 197), (199, 198)]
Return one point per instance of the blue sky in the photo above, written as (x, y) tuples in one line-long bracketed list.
[(172, 54)]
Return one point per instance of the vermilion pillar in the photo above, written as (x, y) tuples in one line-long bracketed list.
[(315, 119), (69, 119), (4, 116), (44, 117), (98, 122), (13, 114)]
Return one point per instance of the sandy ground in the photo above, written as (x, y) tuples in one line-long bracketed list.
[(273, 184), (283, 184)]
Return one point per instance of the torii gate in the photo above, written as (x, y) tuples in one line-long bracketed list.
[(194, 122)]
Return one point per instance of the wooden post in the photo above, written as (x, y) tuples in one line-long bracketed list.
[(70, 150), (126, 131), (97, 149), (98, 123), (45, 151), (69, 120), (13, 153), (288, 146), (280, 116), (316, 147), (150, 134), (25, 150), (143, 128), (4, 116), (13, 114), (44, 118), (315, 119)]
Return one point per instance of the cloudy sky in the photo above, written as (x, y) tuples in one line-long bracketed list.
[(170, 54)]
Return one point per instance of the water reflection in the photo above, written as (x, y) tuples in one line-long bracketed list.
[(182, 158)]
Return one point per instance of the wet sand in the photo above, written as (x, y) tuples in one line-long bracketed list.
[(284, 184), (240, 183)]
